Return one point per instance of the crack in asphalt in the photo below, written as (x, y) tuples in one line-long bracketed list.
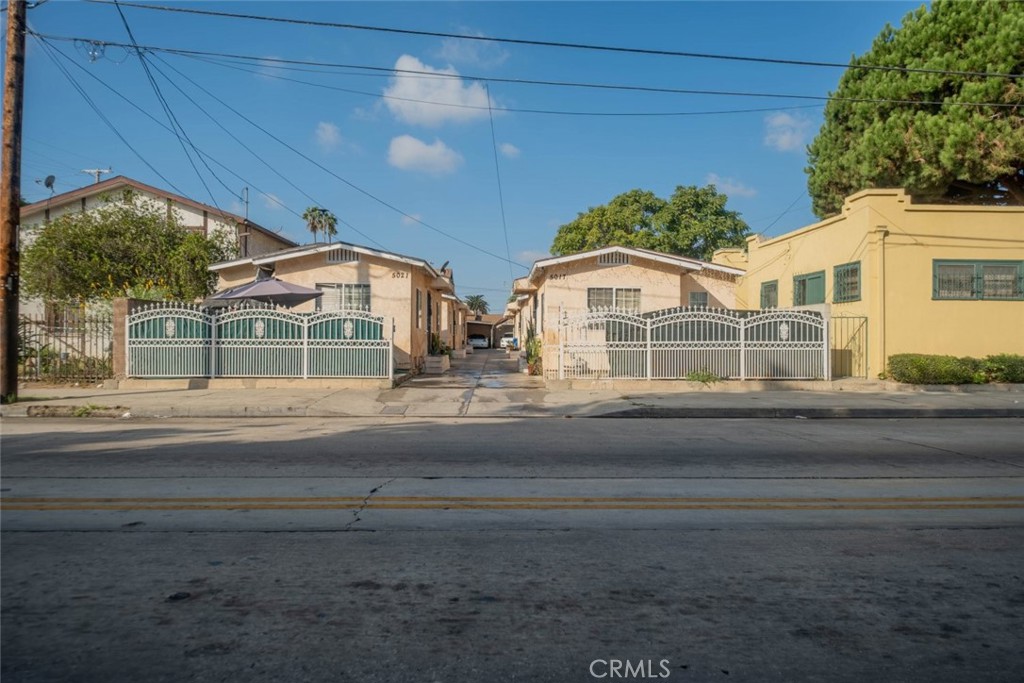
[(365, 504), (952, 452)]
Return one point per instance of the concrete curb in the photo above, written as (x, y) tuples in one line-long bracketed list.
[(812, 413)]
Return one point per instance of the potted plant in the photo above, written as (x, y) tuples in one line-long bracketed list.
[(532, 347)]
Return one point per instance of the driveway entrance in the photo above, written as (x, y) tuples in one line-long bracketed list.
[(487, 376)]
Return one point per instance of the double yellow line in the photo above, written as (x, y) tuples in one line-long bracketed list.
[(509, 503)]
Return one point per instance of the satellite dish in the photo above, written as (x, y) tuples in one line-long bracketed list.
[(50, 180)]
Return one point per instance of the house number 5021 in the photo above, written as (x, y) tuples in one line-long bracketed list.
[(397, 274)]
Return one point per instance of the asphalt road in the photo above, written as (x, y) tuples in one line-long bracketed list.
[(503, 550)]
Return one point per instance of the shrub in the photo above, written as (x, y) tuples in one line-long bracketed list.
[(1004, 367), (916, 368)]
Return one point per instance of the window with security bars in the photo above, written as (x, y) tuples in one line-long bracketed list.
[(978, 279), (341, 296), (846, 283), (613, 297), (809, 289), (698, 299), (770, 294)]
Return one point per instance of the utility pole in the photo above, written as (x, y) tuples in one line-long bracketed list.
[(97, 172), (10, 199)]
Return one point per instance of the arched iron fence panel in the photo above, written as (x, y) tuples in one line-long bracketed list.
[(168, 340), (675, 343), (178, 340)]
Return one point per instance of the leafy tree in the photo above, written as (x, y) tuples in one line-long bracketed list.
[(477, 303), (320, 220), (128, 244), (940, 150), (693, 222)]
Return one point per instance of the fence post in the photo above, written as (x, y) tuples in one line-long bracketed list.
[(827, 351), (213, 344), (305, 348), (743, 348), (561, 344), (650, 351)]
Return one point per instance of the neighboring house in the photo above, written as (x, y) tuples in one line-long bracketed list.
[(251, 239), (624, 278), (925, 278), (407, 289)]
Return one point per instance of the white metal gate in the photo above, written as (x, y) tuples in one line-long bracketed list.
[(674, 344), (178, 340)]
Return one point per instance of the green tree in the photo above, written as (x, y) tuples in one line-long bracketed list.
[(477, 303), (875, 135), (693, 222), (320, 220), (126, 244)]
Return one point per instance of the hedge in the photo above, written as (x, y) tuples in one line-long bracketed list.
[(916, 368)]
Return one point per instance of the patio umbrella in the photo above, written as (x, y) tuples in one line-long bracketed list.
[(270, 290)]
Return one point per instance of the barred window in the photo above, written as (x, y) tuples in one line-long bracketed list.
[(846, 282), (770, 294), (699, 299), (342, 296), (978, 279), (809, 289)]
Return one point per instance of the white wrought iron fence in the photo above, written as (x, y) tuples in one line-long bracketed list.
[(682, 342), (175, 340)]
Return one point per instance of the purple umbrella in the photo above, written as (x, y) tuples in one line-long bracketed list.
[(271, 290)]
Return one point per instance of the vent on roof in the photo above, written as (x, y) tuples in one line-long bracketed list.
[(342, 256), (613, 258)]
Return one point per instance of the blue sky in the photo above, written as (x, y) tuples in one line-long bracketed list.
[(436, 163)]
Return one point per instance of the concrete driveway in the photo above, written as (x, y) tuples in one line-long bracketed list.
[(487, 382)]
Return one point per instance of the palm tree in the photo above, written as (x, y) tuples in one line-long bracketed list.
[(477, 304), (319, 219)]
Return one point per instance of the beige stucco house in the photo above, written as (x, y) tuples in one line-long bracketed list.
[(624, 278), (907, 277), (419, 298)]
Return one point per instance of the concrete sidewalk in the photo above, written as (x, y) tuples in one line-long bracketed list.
[(487, 385)]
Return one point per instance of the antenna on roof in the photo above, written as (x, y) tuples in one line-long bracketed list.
[(96, 172)]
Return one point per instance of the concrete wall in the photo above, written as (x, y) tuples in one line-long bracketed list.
[(896, 242)]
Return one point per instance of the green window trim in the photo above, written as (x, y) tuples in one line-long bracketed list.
[(846, 281), (809, 288), (770, 294), (977, 280)]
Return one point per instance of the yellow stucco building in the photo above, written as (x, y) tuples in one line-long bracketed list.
[(898, 276)]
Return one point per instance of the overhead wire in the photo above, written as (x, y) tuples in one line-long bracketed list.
[(258, 157), (47, 49), (179, 130), (548, 83), (558, 44), (501, 193)]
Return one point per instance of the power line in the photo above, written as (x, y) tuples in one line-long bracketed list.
[(511, 110), (559, 44), (548, 83), (175, 124), (501, 194), (254, 154), (47, 48)]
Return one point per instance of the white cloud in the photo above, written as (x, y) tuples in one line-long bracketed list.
[(473, 52), (509, 150), (786, 132), (730, 186), (328, 137), (272, 201), (433, 100), (410, 154)]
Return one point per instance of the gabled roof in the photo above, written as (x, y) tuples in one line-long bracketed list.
[(118, 182), (309, 249), (650, 255)]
